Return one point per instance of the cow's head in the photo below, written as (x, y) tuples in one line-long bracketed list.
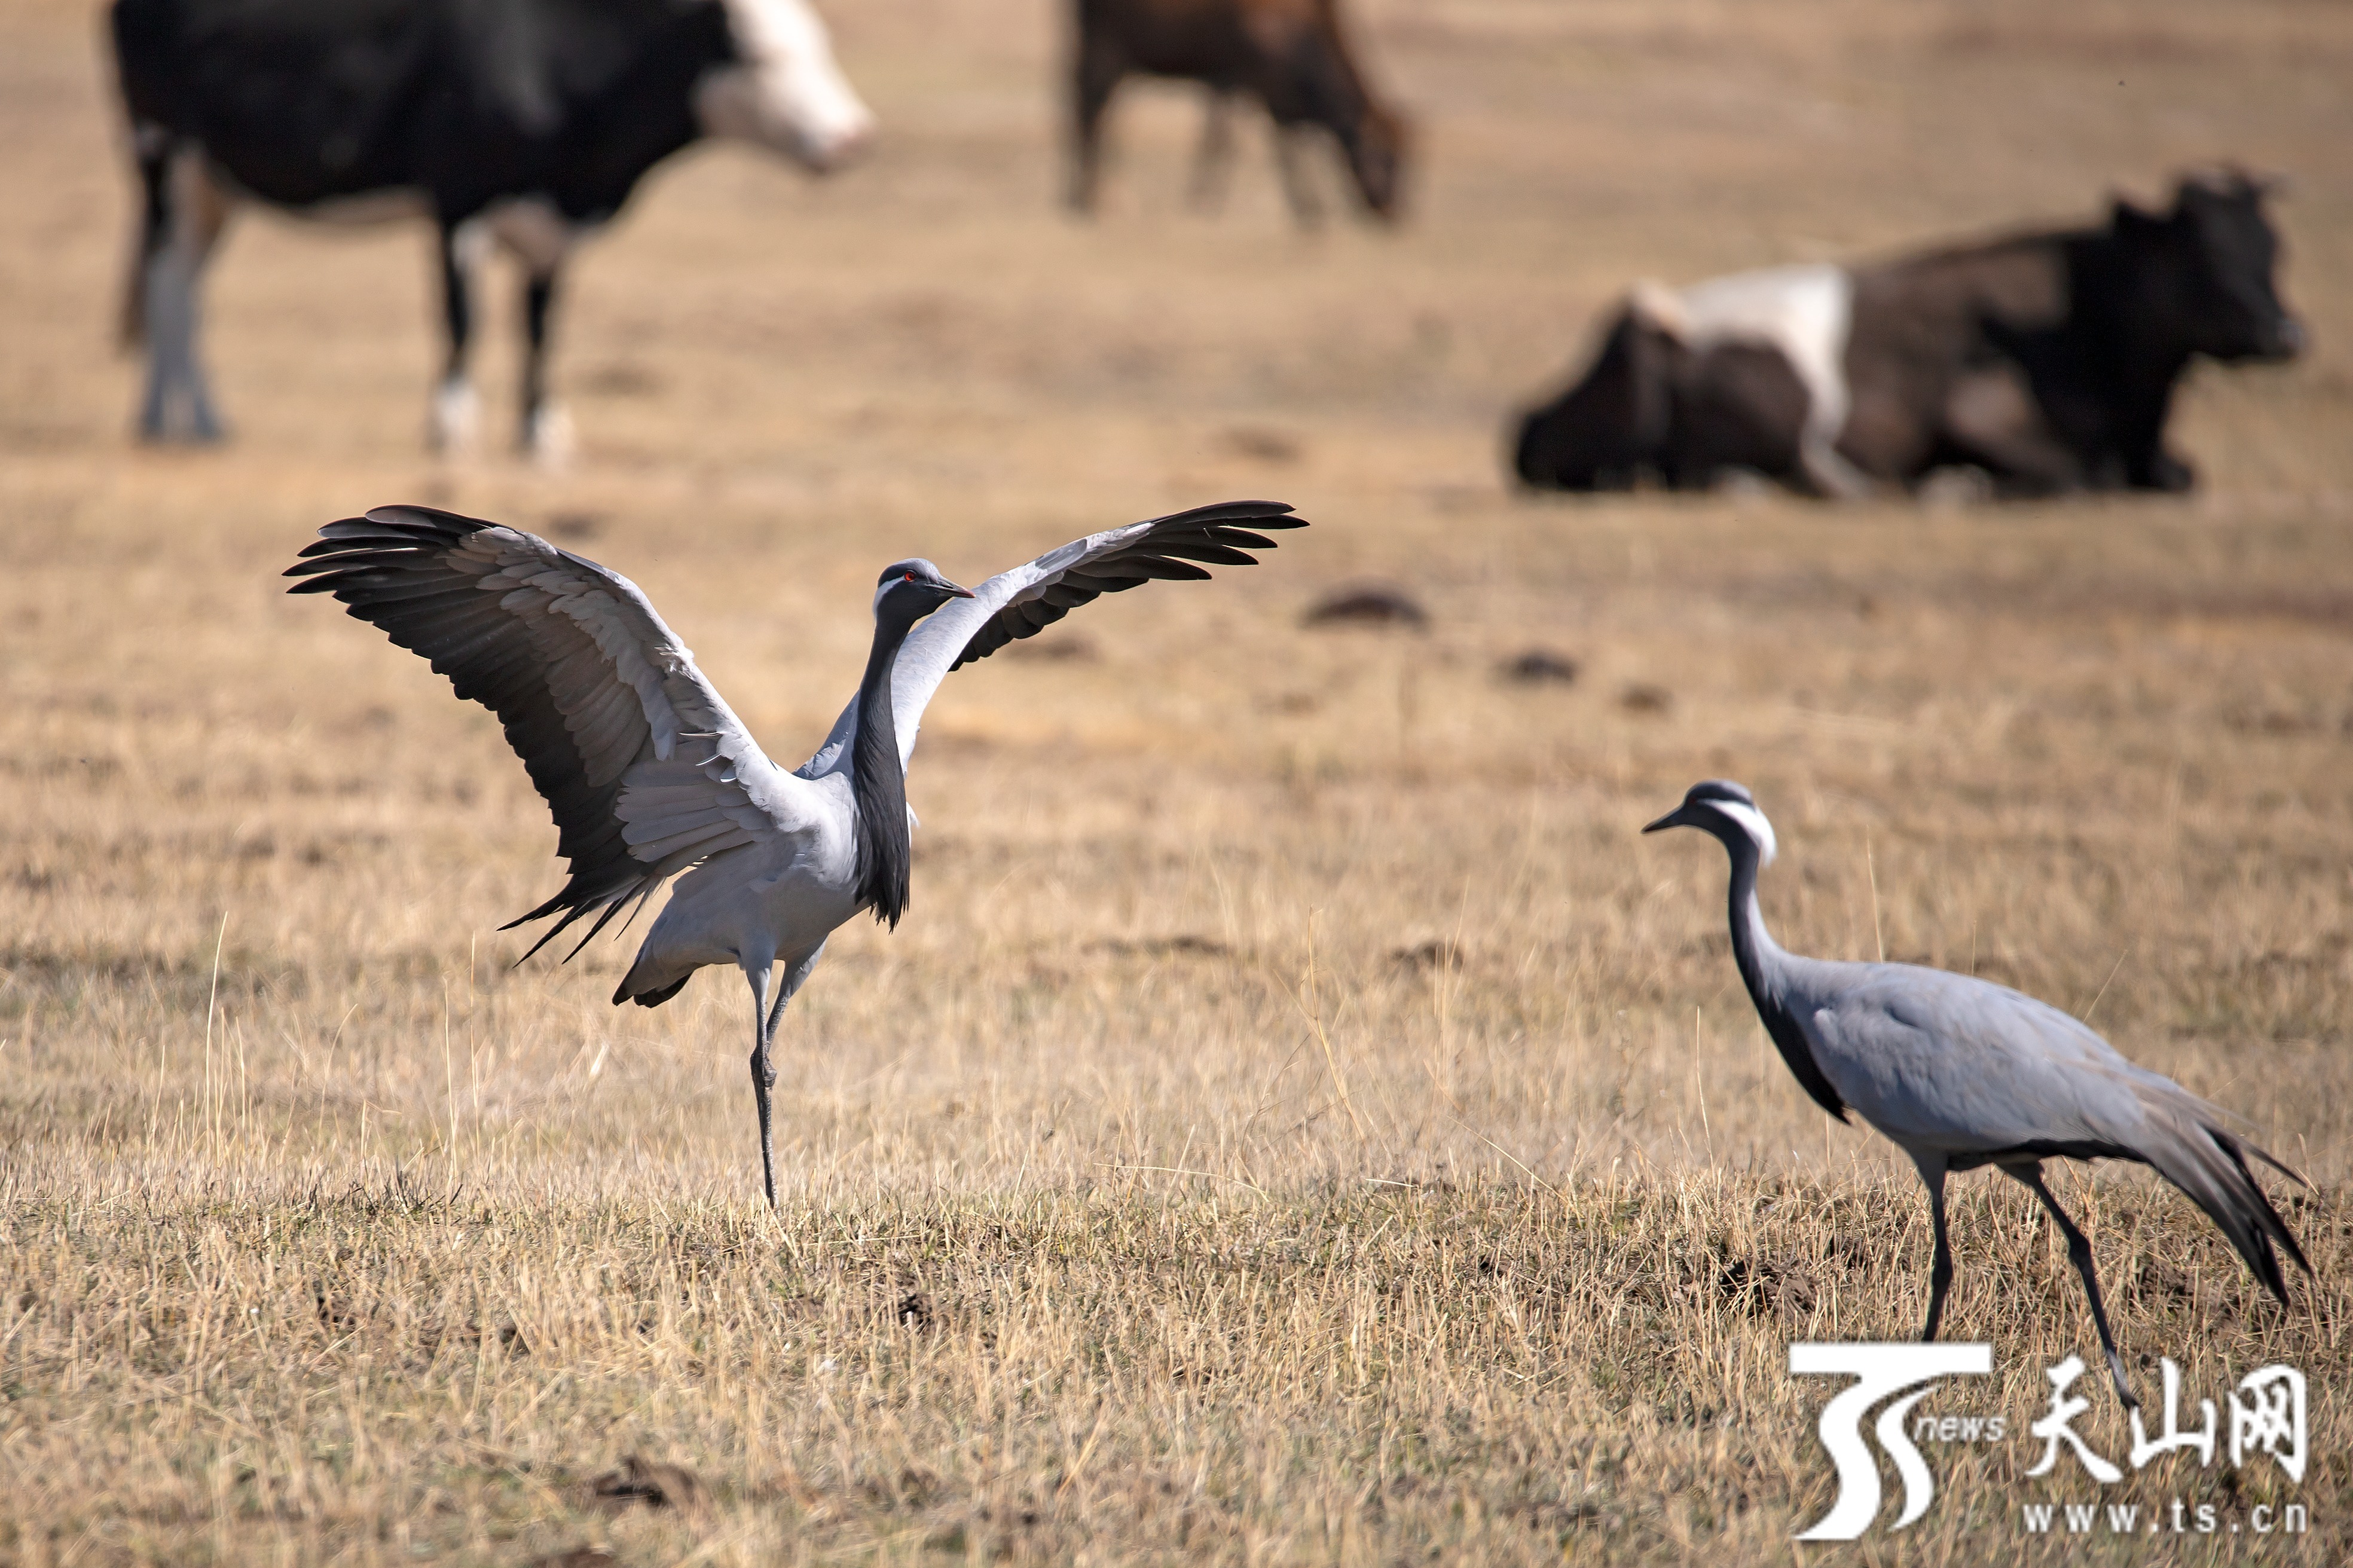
[(1377, 156), (783, 89), (1610, 427), (2211, 262)]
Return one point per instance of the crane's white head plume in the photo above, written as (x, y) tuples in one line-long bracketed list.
[(1724, 808)]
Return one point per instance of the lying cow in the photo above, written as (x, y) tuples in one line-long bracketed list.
[(1289, 55), (523, 122), (2047, 360)]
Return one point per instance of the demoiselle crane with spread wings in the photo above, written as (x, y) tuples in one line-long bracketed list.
[(649, 774), (1959, 1072)]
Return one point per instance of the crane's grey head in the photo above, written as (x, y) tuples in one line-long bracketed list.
[(1725, 809), (909, 590)]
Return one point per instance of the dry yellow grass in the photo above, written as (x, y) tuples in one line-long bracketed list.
[(1300, 1121)]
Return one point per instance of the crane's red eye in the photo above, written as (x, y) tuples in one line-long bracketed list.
[(907, 577)]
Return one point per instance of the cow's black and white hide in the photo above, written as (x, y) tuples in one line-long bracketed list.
[(2048, 360), (524, 123), (1735, 375)]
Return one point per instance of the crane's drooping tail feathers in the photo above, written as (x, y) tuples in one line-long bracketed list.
[(649, 998), (2209, 1165)]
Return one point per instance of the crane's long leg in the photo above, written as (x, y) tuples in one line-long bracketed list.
[(1940, 1270), (797, 973), (764, 1018), (2079, 1252), (764, 1073)]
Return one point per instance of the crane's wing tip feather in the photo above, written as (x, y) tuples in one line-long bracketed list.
[(603, 920), (417, 515), (1162, 549), (2276, 1164), (1265, 513)]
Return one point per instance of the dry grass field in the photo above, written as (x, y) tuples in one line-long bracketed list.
[(1300, 1121)]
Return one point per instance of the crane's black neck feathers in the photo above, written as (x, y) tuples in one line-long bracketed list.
[(878, 782), (906, 593), (1750, 944)]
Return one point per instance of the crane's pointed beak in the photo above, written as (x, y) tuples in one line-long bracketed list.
[(1675, 818), (953, 591)]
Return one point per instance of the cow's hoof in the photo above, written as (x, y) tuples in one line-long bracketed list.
[(548, 440), (454, 427), (2171, 475), (212, 435)]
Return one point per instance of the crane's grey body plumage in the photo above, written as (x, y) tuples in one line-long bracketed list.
[(1960, 1072), (650, 775)]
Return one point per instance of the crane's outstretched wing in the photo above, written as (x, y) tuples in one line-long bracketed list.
[(1027, 599), (1978, 1070), (643, 767)]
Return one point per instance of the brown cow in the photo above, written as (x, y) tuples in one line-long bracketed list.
[(1290, 55)]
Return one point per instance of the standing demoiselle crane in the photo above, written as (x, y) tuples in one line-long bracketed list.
[(1959, 1072), (649, 774)]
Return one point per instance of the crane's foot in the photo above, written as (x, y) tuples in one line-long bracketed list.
[(2124, 1388)]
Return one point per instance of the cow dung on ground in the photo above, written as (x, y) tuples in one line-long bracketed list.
[(1435, 953), (1369, 605), (1262, 443), (640, 1481), (1539, 667)]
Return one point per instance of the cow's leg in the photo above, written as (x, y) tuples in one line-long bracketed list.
[(539, 236), (196, 210), (1100, 65), (455, 423), (546, 427), (1214, 161), (152, 144), (1992, 418), (2148, 466), (1289, 162), (2162, 471), (1828, 471)]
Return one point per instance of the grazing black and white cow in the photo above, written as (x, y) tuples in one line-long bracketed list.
[(2048, 360), (526, 122)]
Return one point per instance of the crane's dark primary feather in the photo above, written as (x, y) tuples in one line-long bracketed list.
[(1166, 550)]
